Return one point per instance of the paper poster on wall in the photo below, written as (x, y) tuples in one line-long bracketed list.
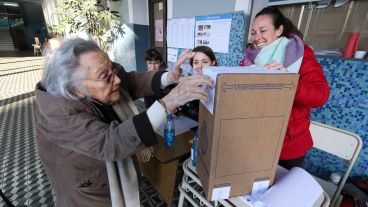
[(159, 30), (172, 54), (180, 33), (213, 31)]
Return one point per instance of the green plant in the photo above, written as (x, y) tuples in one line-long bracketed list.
[(51, 29), (88, 15)]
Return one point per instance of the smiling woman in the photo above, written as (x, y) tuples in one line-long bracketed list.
[(86, 116), (204, 56), (201, 56), (277, 45)]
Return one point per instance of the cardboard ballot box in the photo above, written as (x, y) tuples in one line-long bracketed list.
[(242, 128)]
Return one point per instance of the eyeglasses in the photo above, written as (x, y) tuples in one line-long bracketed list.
[(109, 77), (153, 62)]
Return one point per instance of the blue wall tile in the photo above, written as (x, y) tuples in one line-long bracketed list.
[(347, 108)]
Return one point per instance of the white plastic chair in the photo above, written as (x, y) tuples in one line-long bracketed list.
[(188, 185), (37, 46), (338, 142), (189, 191)]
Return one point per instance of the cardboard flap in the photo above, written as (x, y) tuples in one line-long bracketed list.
[(247, 95)]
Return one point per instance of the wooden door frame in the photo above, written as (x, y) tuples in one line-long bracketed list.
[(152, 24)]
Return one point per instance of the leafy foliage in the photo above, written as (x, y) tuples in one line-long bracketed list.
[(88, 15)]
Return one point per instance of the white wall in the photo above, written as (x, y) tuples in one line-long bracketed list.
[(132, 11), (123, 8), (243, 5), (49, 7), (140, 12), (257, 6)]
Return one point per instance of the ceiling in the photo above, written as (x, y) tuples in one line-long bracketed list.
[(31, 1), (23, 1)]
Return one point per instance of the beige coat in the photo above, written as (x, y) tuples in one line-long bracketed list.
[(74, 143)]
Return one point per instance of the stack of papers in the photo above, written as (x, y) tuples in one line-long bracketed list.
[(292, 188)]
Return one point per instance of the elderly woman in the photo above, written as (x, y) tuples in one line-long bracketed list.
[(85, 116)]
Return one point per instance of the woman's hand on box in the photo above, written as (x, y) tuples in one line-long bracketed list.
[(273, 65), (189, 88)]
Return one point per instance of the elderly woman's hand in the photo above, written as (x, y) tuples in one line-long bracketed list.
[(274, 66), (175, 74), (190, 88)]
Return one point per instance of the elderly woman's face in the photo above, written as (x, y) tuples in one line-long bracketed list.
[(264, 32), (101, 82)]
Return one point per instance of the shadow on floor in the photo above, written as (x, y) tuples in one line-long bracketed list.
[(19, 53)]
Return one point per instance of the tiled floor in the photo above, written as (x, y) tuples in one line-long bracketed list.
[(22, 177)]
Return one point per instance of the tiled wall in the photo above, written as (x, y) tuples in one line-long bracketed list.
[(347, 108), (239, 27)]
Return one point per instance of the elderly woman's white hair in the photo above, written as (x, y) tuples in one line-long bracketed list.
[(61, 77)]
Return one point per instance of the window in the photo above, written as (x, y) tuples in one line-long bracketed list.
[(329, 28)]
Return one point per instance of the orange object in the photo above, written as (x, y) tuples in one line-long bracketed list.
[(351, 45)]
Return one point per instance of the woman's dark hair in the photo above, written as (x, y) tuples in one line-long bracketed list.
[(279, 19), (154, 55), (207, 51)]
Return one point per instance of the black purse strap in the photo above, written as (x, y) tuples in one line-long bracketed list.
[(5, 199)]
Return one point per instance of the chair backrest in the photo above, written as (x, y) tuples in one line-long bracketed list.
[(338, 142), (341, 143), (37, 41)]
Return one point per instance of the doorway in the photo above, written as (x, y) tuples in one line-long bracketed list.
[(157, 25)]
